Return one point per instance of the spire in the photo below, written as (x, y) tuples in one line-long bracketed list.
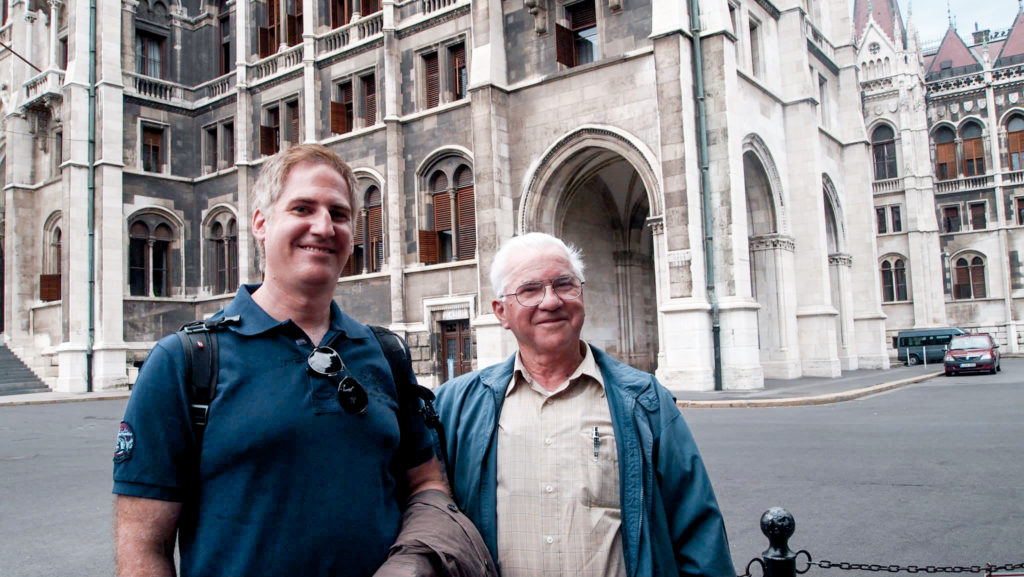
[(871, 8), (949, 14)]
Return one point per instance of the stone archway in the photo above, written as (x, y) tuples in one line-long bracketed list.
[(771, 271), (589, 191), (839, 265)]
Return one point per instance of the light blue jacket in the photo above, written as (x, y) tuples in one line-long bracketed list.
[(671, 523)]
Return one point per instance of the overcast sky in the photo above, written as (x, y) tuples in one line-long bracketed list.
[(930, 16)]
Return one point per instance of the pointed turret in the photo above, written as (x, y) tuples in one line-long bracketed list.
[(952, 59), (886, 16)]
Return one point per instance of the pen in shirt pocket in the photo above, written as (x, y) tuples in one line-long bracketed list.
[(597, 443)]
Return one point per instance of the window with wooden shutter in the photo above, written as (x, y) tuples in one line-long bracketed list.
[(442, 212), (962, 280), (977, 211), (432, 80), (945, 157), (138, 235), (974, 157), (582, 17), (268, 140), (49, 287), (292, 115), (458, 77), (951, 219), (888, 288), (368, 7), (341, 12), (152, 149), (266, 42), (564, 46), (1015, 146), (341, 111), (466, 206), (369, 100), (978, 277), (294, 27), (376, 238), (428, 246)]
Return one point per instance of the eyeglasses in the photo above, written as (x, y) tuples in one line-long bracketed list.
[(531, 293), (327, 362)]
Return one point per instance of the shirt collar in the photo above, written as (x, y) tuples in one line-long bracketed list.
[(588, 367), (254, 320)]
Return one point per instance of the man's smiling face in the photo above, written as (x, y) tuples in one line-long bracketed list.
[(307, 238)]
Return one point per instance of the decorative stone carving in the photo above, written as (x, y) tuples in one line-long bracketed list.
[(1014, 97), (539, 10), (657, 224), (772, 242), (968, 106), (130, 5), (841, 259)]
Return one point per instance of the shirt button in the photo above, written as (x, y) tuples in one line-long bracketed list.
[(549, 540), (549, 488), (548, 441)]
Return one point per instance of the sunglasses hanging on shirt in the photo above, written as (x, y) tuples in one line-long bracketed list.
[(327, 362)]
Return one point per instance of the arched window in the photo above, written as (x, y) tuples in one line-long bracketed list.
[(222, 252), (149, 256), (974, 151), (53, 243), (1015, 142), (945, 153), (969, 278), (450, 232), (894, 280), (883, 145)]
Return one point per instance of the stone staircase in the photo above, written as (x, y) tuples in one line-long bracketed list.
[(15, 377)]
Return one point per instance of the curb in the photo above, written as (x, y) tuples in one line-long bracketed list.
[(54, 398), (804, 401)]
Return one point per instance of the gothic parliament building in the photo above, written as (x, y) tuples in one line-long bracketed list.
[(762, 189)]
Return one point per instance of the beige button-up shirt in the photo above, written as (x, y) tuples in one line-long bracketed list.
[(558, 478)]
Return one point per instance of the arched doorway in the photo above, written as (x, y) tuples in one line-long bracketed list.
[(589, 192), (771, 268), (839, 264)]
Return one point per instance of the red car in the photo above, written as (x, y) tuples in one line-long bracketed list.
[(972, 353)]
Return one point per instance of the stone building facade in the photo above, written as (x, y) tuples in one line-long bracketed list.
[(947, 132), (721, 190)]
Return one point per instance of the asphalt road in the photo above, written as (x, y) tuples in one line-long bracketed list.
[(930, 474)]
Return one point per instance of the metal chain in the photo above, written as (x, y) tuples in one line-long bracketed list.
[(987, 568)]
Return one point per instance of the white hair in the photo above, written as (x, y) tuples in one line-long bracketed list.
[(529, 243)]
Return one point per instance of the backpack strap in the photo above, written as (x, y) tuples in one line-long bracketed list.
[(199, 341), (396, 351)]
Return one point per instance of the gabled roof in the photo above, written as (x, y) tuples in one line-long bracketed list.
[(885, 14), (952, 59), (1013, 47)]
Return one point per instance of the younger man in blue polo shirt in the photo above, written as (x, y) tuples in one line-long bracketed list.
[(286, 480)]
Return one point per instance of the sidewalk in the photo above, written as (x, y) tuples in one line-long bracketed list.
[(812, 390), (776, 393)]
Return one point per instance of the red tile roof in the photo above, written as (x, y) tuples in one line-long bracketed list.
[(955, 52), (885, 13), (1014, 44)]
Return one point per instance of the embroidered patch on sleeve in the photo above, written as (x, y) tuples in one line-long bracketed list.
[(125, 443)]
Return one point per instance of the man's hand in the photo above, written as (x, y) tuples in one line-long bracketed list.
[(144, 533), (429, 475)]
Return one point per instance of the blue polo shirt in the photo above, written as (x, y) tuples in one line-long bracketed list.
[(286, 483)]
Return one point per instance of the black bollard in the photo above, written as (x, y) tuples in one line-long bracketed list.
[(778, 525)]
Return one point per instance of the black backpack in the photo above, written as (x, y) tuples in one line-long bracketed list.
[(199, 340)]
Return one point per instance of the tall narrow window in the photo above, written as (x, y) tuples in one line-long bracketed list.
[(375, 230), (443, 217), (228, 137), (270, 132), (62, 53), (161, 259), (458, 76), (49, 281), (823, 101), (888, 285), (223, 253), (978, 277), (292, 115), (432, 80), (58, 151), (342, 109), (1015, 142), (755, 48), (269, 35), (880, 220), (152, 148), (951, 219), (137, 248), (974, 153), (578, 43), (466, 205), (226, 64), (977, 209), (945, 153), (294, 22), (897, 219), (899, 272), (368, 7), (369, 99), (1020, 210), (210, 149), (149, 54), (883, 146)]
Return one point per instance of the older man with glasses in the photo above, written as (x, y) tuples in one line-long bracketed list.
[(569, 462), (309, 449)]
